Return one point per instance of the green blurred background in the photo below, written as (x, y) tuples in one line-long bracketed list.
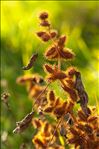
[(19, 22)]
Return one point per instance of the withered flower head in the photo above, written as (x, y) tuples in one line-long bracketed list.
[(78, 128)]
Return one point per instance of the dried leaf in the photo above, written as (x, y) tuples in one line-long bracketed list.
[(92, 119), (51, 96), (40, 33), (62, 40), (70, 83), (61, 109), (82, 116), (45, 23), (60, 75), (31, 62), (48, 109), (36, 79), (66, 53), (74, 131), (48, 68), (39, 143), (71, 92), (53, 34), (71, 71), (50, 51), (36, 123)]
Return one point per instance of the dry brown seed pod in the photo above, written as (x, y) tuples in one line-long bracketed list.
[(31, 62), (50, 51), (66, 53), (34, 79), (43, 15), (72, 140), (48, 109), (74, 131), (48, 68), (51, 96), (36, 123), (45, 37), (46, 128), (71, 71), (70, 82), (92, 118), (61, 109), (82, 116), (62, 40), (60, 75), (69, 107), (80, 126), (39, 143), (71, 92), (40, 33), (88, 129), (57, 102), (53, 34), (45, 23)]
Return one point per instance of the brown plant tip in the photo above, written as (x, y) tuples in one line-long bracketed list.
[(43, 15), (31, 62)]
